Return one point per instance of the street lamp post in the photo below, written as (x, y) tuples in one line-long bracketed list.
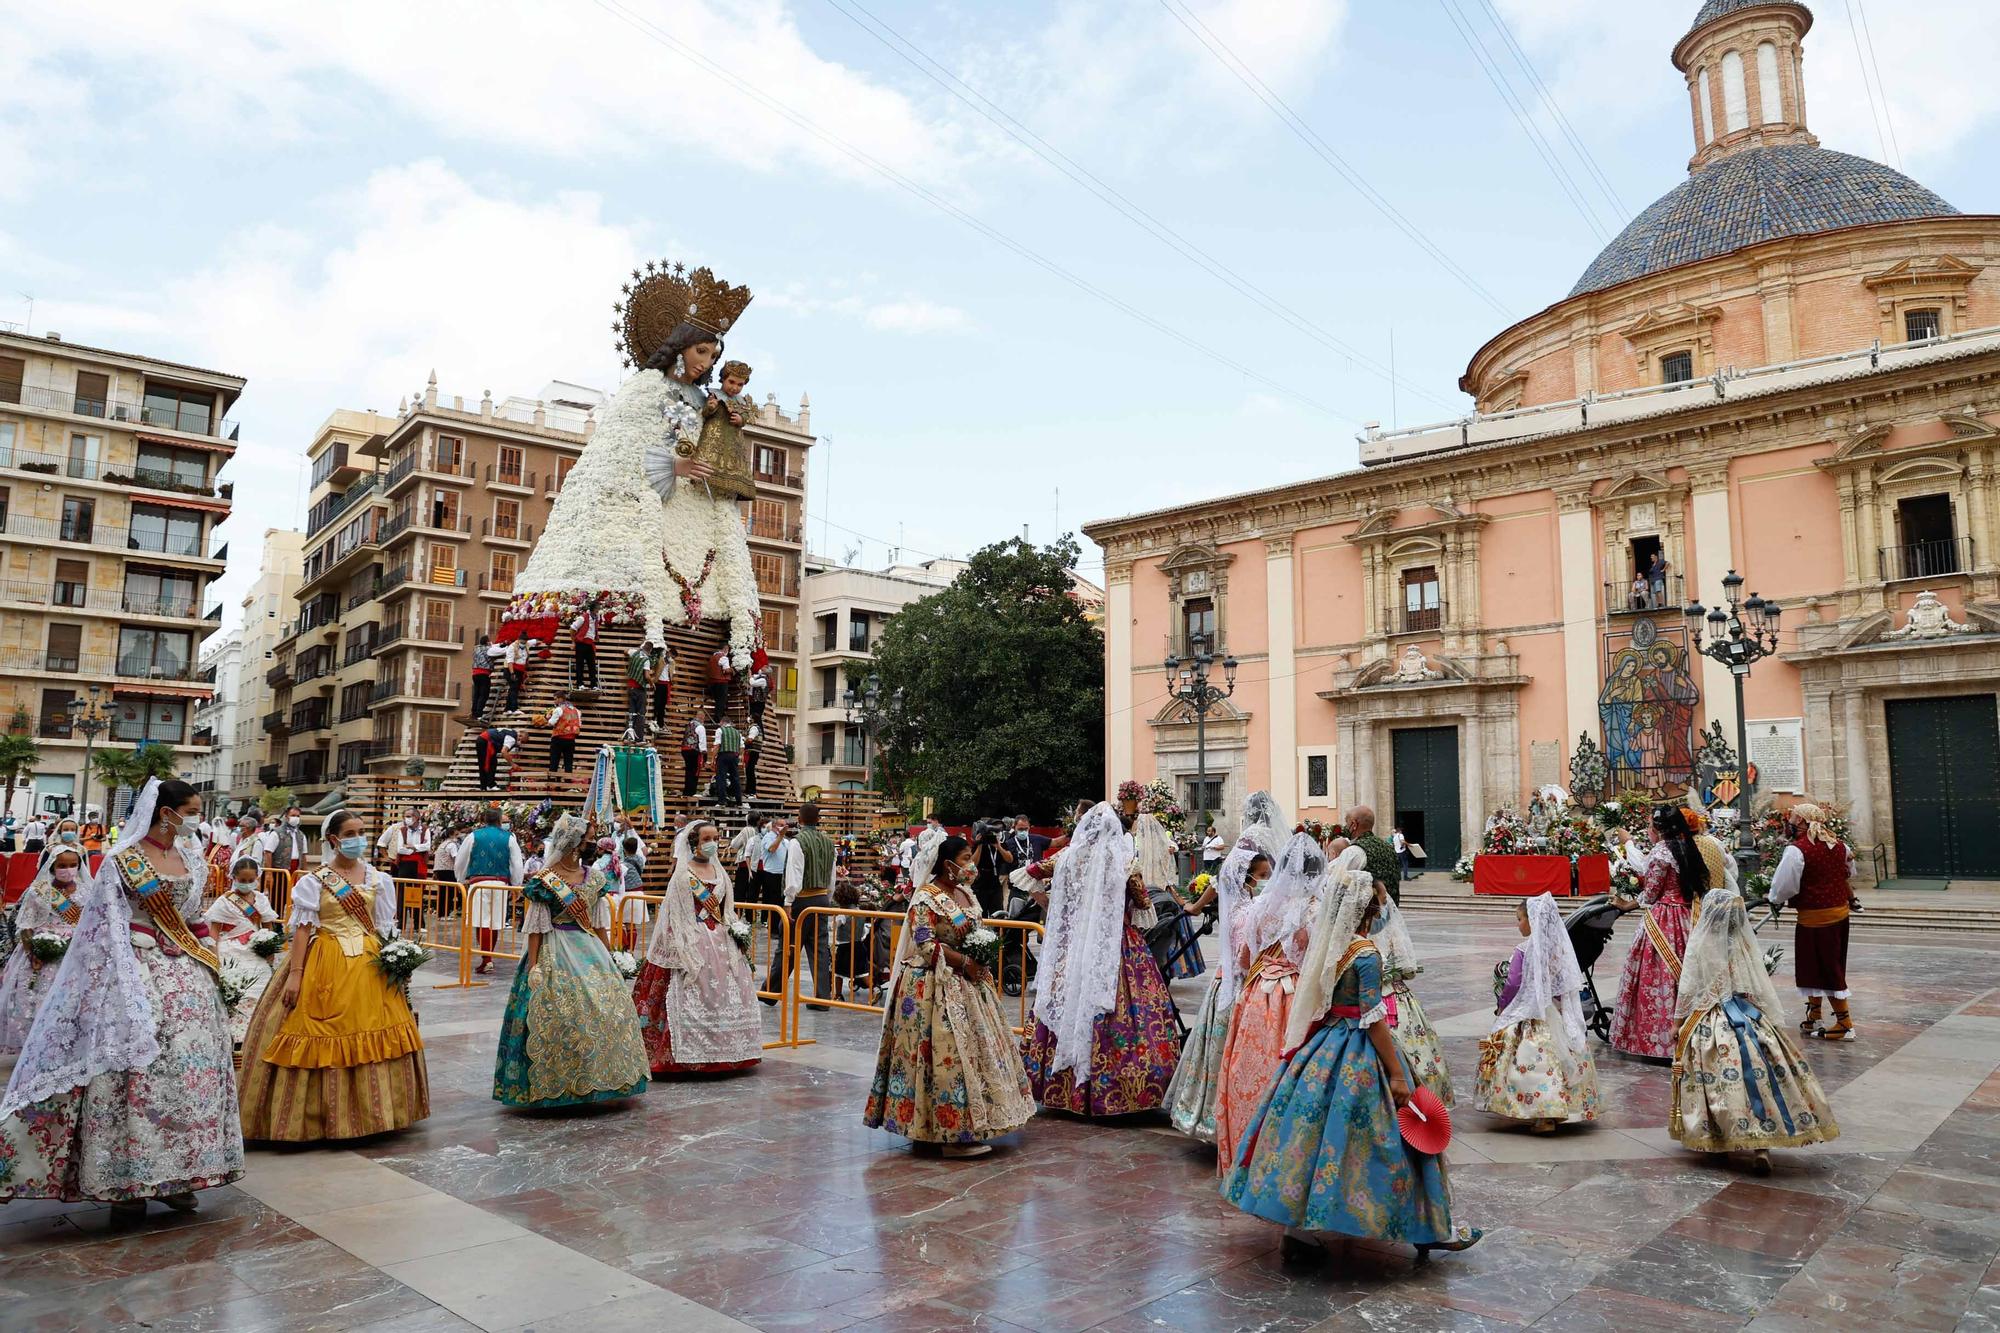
[(864, 710), (1187, 680), (1746, 632), (86, 714)]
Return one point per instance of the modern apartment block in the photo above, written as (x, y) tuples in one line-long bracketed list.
[(215, 717), (109, 501), (269, 609), (847, 608)]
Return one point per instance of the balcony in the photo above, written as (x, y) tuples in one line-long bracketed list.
[(280, 674), (353, 757), (103, 536), (418, 462), (394, 526), (764, 530), (333, 507), (54, 726), (1629, 599), (37, 661), (367, 594), (497, 585), (437, 634), (517, 478), (306, 770), (359, 646), (1926, 560), (275, 723), (186, 419), (522, 533), (398, 470), (1414, 619), (76, 597), (309, 716), (268, 775), (791, 480), (314, 664), (387, 636), (392, 579), (411, 687)]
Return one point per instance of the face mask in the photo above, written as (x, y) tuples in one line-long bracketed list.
[(293, 821), (67, 835), (708, 846), (246, 886), (63, 874), (354, 848)]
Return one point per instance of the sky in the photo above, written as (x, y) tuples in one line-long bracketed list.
[(1035, 263)]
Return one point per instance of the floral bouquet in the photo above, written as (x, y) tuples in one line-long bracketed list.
[(399, 959), (627, 965), (739, 931), (1462, 871), (1130, 792), (266, 943), (1757, 888), (982, 946), (46, 949), (1624, 880), (1500, 980), (1773, 955), (233, 982)]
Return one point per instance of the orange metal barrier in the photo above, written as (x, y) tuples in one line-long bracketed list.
[(861, 955)]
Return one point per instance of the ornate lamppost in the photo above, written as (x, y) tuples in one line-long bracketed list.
[(1187, 681), (1746, 632), (87, 715), (864, 710)]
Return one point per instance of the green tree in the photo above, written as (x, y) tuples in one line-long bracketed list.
[(16, 753), (130, 768), (989, 695), (276, 800)]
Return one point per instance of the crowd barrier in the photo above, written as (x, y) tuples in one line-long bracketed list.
[(863, 954), (859, 944)]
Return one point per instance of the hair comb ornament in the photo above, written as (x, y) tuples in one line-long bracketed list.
[(662, 297)]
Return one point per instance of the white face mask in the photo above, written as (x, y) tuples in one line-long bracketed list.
[(708, 846)]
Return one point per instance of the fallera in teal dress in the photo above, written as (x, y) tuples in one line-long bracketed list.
[(1322, 1152)]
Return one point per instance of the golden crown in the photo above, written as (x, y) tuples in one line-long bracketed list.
[(661, 297)]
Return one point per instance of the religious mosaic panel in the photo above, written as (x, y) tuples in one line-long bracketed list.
[(1647, 708)]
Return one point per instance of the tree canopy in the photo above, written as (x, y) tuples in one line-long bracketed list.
[(990, 692)]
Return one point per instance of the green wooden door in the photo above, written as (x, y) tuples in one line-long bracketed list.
[(1944, 782), (1426, 805)]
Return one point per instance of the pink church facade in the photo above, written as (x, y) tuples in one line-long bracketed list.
[(1788, 367)]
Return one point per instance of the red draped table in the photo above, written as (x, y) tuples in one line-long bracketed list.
[(1520, 876)]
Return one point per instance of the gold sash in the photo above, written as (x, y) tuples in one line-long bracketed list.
[(1810, 917), (349, 896), (143, 883), (571, 901), (1661, 945)]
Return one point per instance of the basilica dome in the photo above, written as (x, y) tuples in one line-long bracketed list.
[(1756, 195)]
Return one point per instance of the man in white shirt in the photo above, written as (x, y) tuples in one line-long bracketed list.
[(1211, 851), (810, 866), (490, 865), (406, 846), (35, 835)]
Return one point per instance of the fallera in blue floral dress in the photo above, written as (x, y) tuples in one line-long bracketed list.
[(1322, 1152)]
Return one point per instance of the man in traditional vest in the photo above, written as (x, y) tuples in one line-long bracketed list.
[(1815, 870), (1376, 851), (809, 866), (489, 865)]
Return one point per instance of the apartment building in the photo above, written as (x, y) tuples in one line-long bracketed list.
[(847, 608), (109, 502), (215, 718), (269, 609)]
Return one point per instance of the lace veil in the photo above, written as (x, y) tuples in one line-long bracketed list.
[(673, 943), (1339, 917), (1392, 938), (1259, 837), (1291, 897), (1722, 959), (1551, 981), (1078, 978), (923, 862), (97, 1018)]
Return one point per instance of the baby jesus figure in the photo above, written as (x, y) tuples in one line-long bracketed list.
[(722, 446)]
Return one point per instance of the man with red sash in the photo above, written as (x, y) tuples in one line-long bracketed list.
[(1814, 871)]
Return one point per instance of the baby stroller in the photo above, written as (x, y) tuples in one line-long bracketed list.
[(1017, 965), (1589, 928)]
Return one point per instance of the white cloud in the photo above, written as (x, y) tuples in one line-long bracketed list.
[(427, 272), (917, 316), (565, 79)]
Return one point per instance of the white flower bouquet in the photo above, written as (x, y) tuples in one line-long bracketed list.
[(399, 959), (982, 946), (233, 982), (1773, 955), (739, 931), (267, 943), (1462, 871), (627, 965), (46, 949)]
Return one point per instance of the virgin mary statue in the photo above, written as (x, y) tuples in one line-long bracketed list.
[(646, 528)]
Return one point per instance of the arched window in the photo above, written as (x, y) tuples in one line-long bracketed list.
[(1735, 99), (1769, 96), (1707, 108)]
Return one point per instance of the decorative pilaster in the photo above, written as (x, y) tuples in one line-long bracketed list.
[(1281, 705), (1714, 556), (1577, 568), (1119, 716)]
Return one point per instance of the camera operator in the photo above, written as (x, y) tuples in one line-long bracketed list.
[(989, 870)]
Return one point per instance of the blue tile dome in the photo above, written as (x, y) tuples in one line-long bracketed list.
[(1716, 9), (1756, 195)]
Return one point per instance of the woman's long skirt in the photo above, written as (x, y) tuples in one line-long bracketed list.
[(1322, 1151), (949, 1069), (1741, 1084), (702, 1020), (165, 1129), (1191, 1096), (1524, 1074), (570, 1035), (1133, 1052), (345, 1062)]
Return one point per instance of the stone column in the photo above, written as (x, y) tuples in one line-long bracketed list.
[(1118, 716), (1281, 708), (1472, 794), (1364, 792), (1713, 557), (1854, 765), (1577, 568)]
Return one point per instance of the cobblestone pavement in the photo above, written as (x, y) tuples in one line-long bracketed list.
[(760, 1200)]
